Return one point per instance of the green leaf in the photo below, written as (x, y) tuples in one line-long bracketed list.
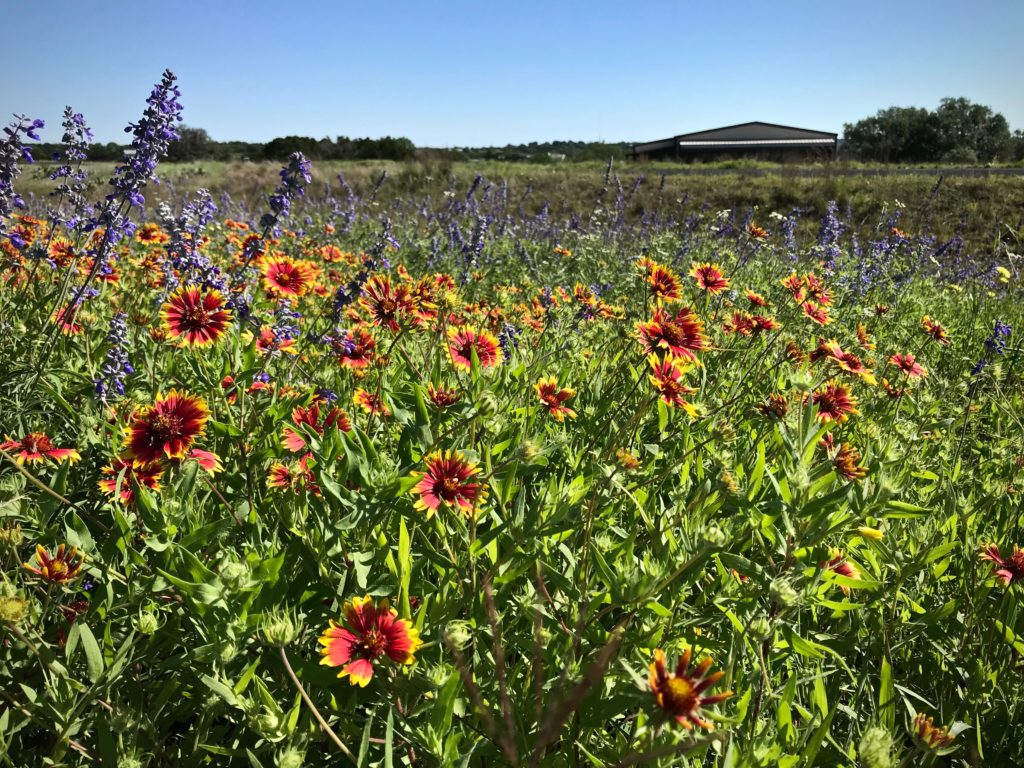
[(886, 696), (93, 655), (389, 734)]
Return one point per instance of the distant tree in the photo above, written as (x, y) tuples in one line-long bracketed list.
[(966, 126), (958, 131), (1017, 145), (193, 144), (895, 135)]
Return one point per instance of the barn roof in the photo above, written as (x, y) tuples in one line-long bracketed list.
[(752, 134)]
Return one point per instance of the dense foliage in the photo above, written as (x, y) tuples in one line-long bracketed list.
[(957, 132), (447, 483)]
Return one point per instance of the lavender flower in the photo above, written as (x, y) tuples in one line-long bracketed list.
[(116, 365), (12, 150), (508, 338), (294, 178), (185, 230), (828, 236), (71, 188), (151, 138), (996, 342)]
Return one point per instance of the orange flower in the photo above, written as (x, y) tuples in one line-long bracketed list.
[(553, 398), (147, 475), (795, 286), (65, 318), (666, 377), (268, 343), (709, 277), (816, 313), (863, 338), (834, 401), (166, 429), (370, 632), (756, 299), (446, 482), (756, 232), (65, 564), (680, 694), (443, 397), (463, 341), (679, 335), (371, 403), (296, 476), (287, 276), (930, 737), (776, 405), (935, 330), (847, 462), (196, 318), (36, 448)]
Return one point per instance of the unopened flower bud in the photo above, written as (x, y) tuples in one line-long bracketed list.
[(783, 593), (459, 633), (146, 623), (279, 628), (290, 758)]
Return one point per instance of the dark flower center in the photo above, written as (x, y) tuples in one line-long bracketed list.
[(678, 695), (165, 426)]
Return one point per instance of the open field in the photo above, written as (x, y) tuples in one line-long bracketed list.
[(978, 203), (549, 467)]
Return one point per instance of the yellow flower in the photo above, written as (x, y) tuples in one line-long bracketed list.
[(870, 533)]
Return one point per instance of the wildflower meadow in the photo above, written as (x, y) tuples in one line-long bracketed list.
[(454, 480)]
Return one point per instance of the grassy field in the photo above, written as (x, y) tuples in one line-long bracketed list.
[(982, 208)]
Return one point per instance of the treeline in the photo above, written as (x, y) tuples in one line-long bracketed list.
[(957, 132), (545, 151), (195, 144)]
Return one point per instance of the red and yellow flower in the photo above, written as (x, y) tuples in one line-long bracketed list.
[(36, 448), (664, 283), (147, 476), (370, 632), (1011, 568), (166, 429), (838, 564), (553, 397), (847, 462), (286, 276), (60, 568), (448, 481), (462, 342), (680, 694), (443, 397), (667, 378), (680, 335), (195, 317), (935, 330), (909, 365), (333, 418), (709, 277), (371, 402), (835, 402), (930, 737)]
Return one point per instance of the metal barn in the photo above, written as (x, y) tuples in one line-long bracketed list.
[(765, 141)]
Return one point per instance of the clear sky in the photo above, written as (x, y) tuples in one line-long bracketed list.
[(489, 73)]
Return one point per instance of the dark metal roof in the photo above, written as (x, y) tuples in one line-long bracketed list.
[(742, 135), (755, 131)]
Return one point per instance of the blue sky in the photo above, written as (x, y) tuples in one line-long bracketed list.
[(488, 73)]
